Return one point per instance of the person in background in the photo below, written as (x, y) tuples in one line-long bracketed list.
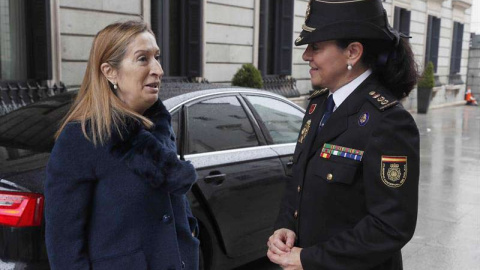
[(352, 201), (115, 189)]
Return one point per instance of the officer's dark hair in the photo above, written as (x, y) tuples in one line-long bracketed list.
[(395, 68)]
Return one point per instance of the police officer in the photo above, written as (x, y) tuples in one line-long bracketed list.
[(352, 201)]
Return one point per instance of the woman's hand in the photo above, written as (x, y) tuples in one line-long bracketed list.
[(288, 261), (281, 241)]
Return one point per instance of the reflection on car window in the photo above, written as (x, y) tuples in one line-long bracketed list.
[(283, 121), (219, 124), (175, 126)]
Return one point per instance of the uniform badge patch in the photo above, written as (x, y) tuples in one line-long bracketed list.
[(304, 132), (312, 108), (394, 170), (363, 119)]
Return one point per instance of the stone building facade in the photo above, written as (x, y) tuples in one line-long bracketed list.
[(211, 39), (473, 73)]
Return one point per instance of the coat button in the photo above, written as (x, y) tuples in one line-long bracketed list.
[(299, 188), (167, 219), (329, 177), (295, 215)]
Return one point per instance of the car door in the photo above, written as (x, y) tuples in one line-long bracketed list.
[(239, 176), (280, 122)]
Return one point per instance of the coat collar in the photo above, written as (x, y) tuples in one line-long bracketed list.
[(338, 122), (152, 153)]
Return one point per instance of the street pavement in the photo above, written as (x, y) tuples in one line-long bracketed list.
[(447, 236)]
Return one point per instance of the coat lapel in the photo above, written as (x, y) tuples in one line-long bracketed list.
[(151, 153), (317, 116), (338, 122)]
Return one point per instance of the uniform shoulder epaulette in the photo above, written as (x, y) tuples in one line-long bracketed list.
[(317, 93), (382, 100)]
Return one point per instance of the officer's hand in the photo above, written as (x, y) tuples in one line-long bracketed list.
[(288, 261), (281, 241)]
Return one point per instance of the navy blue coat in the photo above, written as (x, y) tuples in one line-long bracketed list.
[(121, 205)]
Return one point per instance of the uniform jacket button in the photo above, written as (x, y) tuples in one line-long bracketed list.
[(329, 177), (299, 188), (167, 219), (295, 215)]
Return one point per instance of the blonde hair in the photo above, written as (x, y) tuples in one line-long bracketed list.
[(96, 104)]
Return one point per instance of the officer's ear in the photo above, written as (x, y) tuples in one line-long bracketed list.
[(354, 52)]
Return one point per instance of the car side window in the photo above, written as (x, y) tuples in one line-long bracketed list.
[(219, 124), (282, 120), (175, 127)]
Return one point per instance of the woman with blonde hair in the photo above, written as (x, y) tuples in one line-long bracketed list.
[(115, 189)]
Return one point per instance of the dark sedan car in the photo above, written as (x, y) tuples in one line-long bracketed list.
[(240, 141)]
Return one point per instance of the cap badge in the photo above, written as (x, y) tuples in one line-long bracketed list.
[(307, 12)]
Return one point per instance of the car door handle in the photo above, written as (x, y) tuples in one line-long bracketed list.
[(216, 179), (290, 162)]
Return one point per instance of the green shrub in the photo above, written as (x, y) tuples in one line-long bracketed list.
[(248, 76), (427, 79)]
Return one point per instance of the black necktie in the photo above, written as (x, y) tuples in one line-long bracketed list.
[(327, 113)]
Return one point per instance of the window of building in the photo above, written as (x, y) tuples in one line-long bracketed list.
[(433, 41), (401, 20), (25, 46), (457, 40), (276, 39), (219, 124), (283, 121), (177, 25)]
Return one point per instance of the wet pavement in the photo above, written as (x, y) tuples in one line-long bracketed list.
[(448, 227)]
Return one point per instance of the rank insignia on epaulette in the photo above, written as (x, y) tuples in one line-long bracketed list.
[(394, 170), (381, 102), (312, 108), (317, 93), (304, 132)]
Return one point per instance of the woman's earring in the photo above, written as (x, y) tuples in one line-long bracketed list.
[(115, 86), (349, 66)]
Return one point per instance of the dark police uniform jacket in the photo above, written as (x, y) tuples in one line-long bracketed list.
[(121, 205), (357, 207)]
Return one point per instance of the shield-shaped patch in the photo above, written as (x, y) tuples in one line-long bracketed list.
[(394, 170)]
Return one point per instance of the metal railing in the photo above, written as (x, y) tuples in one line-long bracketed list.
[(14, 95), (17, 94), (282, 85)]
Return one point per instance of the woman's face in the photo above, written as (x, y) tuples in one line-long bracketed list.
[(139, 74), (328, 64)]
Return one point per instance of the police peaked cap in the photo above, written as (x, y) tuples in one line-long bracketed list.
[(346, 19)]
